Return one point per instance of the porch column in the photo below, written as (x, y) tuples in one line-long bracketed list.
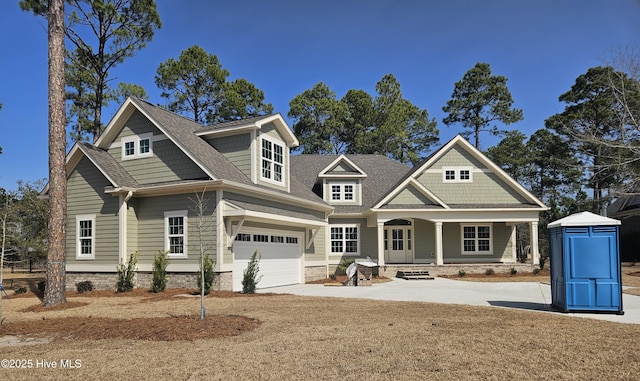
[(380, 244), (439, 255), (123, 200), (535, 255)]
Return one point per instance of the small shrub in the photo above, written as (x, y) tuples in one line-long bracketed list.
[(461, 273), (209, 275), (543, 259), (126, 272), (333, 276), (42, 285), (85, 286), (536, 271), (513, 271), (19, 290), (160, 263), (489, 272), (344, 264), (250, 276)]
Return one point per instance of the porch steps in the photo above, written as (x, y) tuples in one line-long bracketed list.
[(414, 275)]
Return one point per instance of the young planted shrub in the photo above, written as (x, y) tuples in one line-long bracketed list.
[(250, 276), (462, 273), (160, 263), (489, 272), (209, 275), (126, 272), (85, 286), (19, 290), (513, 271)]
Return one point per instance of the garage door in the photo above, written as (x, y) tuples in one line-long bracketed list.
[(281, 257)]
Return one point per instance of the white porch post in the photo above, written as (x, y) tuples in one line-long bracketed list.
[(535, 255), (439, 255), (380, 244), (514, 244), (123, 200)]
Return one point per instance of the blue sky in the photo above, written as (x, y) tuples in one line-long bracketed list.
[(286, 46)]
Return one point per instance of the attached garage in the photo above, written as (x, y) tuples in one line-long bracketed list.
[(281, 257)]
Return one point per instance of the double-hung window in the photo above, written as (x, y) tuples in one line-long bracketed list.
[(272, 161), (85, 236), (477, 239), (345, 240), (175, 224)]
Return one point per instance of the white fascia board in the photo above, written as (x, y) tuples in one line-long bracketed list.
[(250, 215), (233, 130), (168, 189), (428, 193), (340, 158), (273, 195), (282, 127), (116, 123)]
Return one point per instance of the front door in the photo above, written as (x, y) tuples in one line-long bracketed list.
[(397, 244)]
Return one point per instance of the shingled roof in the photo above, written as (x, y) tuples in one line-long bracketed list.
[(382, 174), (108, 166)]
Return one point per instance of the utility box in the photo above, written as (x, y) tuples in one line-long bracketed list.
[(584, 254)]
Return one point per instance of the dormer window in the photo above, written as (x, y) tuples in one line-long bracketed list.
[(134, 147), (342, 192), (272, 161), (457, 175)]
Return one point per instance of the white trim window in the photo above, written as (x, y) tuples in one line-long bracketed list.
[(134, 147), (342, 192), (175, 232), (345, 240), (477, 239), (457, 174), (86, 236), (272, 161)]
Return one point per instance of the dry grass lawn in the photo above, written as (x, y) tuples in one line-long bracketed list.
[(288, 337)]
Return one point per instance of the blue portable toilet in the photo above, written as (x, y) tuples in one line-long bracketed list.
[(584, 254)]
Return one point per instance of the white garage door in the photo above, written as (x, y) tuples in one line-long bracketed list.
[(281, 257)]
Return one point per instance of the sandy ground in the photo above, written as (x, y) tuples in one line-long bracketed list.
[(300, 338)]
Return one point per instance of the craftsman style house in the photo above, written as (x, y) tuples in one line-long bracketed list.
[(136, 190)]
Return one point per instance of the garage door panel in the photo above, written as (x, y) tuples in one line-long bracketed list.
[(280, 264)]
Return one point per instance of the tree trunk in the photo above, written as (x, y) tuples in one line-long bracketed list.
[(55, 277)]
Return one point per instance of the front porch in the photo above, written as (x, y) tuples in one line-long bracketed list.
[(391, 270)]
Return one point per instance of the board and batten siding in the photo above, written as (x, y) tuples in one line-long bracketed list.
[(151, 227), (85, 195), (485, 187), (236, 148), (168, 162)]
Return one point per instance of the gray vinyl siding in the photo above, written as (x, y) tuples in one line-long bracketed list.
[(424, 237), (151, 227), (236, 148), (486, 187), (168, 162), (270, 131), (452, 243), (85, 195)]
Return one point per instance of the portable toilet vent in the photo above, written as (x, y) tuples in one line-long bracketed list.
[(584, 256)]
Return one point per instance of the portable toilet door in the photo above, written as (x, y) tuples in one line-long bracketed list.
[(584, 256)]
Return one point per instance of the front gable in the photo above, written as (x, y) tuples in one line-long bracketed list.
[(342, 182), (459, 175)]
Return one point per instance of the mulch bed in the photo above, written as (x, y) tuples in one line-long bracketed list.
[(172, 328)]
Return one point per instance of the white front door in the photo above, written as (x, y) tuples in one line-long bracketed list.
[(398, 240)]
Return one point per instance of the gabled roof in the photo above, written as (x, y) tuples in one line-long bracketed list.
[(458, 141), (343, 161), (625, 206), (248, 124), (382, 173)]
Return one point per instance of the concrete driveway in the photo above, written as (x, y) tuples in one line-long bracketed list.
[(520, 295)]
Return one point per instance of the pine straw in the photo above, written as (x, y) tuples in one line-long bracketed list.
[(322, 339)]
